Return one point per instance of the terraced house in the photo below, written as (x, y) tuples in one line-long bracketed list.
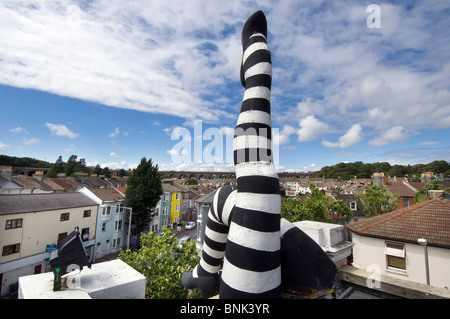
[(164, 206), (112, 220), (32, 225)]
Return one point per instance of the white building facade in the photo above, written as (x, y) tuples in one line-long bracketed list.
[(32, 225)]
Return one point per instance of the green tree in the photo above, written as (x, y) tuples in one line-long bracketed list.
[(292, 209), (97, 170), (106, 172), (143, 193), (376, 201), (316, 206), (447, 173), (80, 166), (340, 210), (191, 181), (122, 173), (162, 262), (56, 168), (71, 165), (422, 194), (438, 166)]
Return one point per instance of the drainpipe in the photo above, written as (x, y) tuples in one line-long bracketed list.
[(423, 242)]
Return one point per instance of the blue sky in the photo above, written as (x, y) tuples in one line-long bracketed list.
[(114, 81)]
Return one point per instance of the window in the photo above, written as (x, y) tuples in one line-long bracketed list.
[(166, 197), (405, 202), (116, 243), (177, 196), (61, 236), (13, 223), (85, 234), (87, 213), (103, 226), (65, 216), (395, 255), (118, 225), (165, 210), (10, 249), (353, 205), (177, 207), (106, 210)]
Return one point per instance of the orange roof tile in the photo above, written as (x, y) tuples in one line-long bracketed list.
[(429, 219)]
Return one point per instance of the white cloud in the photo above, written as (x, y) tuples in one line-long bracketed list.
[(18, 130), (352, 136), (182, 58), (31, 141), (227, 131), (342, 71), (61, 130), (311, 128), (151, 57), (429, 143), (310, 107), (395, 134), (3, 146), (197, 167), (174, 152), (113, 165), (115, 133), (116, 165), (113, 155), (283, 137), (311, 168)]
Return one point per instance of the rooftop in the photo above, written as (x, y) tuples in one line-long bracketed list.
[(107, 194), (207, 198), (429, 219), (26, 203), (401, 187)]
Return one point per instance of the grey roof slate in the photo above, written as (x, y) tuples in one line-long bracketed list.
[(26, 203), (8, 184)]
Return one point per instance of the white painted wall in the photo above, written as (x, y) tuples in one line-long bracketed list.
[(369, 251)]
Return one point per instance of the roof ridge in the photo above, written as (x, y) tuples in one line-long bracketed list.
[(409, 186)]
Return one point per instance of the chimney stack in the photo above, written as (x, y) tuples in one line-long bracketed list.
[(435, 193), (6, 172)]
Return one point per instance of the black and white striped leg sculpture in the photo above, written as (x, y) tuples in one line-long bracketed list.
[(243, 235), (252, 263)]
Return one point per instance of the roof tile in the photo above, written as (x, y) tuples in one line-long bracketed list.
[(429, 219)]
